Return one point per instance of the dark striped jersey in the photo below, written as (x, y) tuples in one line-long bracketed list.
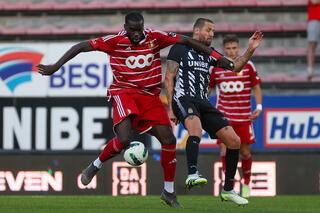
[(193, 76)]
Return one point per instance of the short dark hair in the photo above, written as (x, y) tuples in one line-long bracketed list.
[(200, 22), (134, 16), (230, 38)]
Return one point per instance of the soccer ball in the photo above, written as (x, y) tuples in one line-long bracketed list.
[(136, 154)]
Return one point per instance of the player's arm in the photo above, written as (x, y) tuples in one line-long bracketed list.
[(257, 92), (254, 42), (84, 46), (315, 1), (171, 72), (222, 61)]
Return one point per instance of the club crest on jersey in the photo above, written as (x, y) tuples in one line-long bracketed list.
[(151, 45), (172, 34)]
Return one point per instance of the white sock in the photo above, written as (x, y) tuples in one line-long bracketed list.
[(168, 186), (97, 163)]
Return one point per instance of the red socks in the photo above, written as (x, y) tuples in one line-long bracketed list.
[(112, 148), (246, 170), (168, 161)]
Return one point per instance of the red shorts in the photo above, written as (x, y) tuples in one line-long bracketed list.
[(148, 110), (245, 132)]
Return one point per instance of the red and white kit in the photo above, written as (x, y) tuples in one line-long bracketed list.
[(136, 76), (233, 97)]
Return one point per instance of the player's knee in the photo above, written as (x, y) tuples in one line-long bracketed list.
[(169, 140), (234, 142), (195, 132), (125, 141), (245, 154)]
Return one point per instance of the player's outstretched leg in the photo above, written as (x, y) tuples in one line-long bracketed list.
[(194, 180), (192, 149), (234, 197), (112, 148)]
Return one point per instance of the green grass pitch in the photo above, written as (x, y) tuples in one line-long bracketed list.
[(132, 204)]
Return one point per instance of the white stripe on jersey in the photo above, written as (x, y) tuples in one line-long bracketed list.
[(239, 95), (145, 78), (231, 77), (119, 106), (132, 73), (236, 107), (242, 101), (127, 51), (235, 113)]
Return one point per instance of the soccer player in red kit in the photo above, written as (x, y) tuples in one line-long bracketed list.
[(233, 100), (136, 66)]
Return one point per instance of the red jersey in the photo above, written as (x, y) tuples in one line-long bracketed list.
[(136, 68), (313, 11), (234, 92)]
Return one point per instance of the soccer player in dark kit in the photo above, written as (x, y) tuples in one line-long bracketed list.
[(187, 80)]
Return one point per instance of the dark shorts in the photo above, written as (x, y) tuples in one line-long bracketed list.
[(212, 120)]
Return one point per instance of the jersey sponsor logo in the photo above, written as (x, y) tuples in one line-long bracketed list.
[(139, 61), (291, 128), (231, 86), (17, 65)]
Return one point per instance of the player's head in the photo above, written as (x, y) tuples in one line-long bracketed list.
[(134, 25), (231, 46), (203, 31)]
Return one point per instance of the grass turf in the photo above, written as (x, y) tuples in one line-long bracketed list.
[(123, 204)]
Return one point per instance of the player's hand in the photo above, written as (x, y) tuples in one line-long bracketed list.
[(255, 114), (255, 40), (47, 69), (172, 117)]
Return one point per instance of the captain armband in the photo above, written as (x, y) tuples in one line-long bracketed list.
[(226, 63)]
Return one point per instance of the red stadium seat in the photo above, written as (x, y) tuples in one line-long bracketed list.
[(68, 5), (300, 51), (14, 31), (243, 3), (44, 30), (216, 3), (269, 3), (249, 27), (68, 30), (116, 4), (140, 4), (276, 51), (192, 3), (222, 27), (269, 27), (44, 5), (294, 3), (166, 4), (294, 26), (19, 5)]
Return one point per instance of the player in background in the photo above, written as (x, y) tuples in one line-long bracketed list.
[(135, 62), (186, 83), (233, 100)]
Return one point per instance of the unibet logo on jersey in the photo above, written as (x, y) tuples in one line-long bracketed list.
[(139, 61)]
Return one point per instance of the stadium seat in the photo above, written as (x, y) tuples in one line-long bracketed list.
[(268, 3), (276, 51), (248, 27), (19, 5), (295, 3), (44, 30), (43, 5), (243, 3), (269, 27), (216, 3), (140, 4), (14, 31), (192, 4), (286, 27), (68, 30), (166, 4)]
